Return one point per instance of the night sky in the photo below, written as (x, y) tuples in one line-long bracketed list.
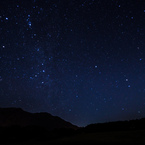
[(81, 60)]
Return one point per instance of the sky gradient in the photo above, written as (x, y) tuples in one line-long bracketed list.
[(82, 60)]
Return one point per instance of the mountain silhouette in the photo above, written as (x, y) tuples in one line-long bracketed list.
[(138, 124), (20, 127), (18, 117)]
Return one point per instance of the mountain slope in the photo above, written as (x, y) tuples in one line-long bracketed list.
[(18, 117)]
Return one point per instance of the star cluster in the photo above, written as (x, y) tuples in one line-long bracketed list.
[(82, 60)]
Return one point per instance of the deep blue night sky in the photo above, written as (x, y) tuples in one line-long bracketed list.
[(82, 60)]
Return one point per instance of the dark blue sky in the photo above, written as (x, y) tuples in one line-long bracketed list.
[(82, 60)]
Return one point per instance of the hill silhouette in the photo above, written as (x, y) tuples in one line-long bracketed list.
[(18, 117), (21, 127), (138, 124)]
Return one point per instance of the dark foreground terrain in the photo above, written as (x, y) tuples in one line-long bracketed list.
[(42, 137), (133, 137), (34, 135), (18, 127)]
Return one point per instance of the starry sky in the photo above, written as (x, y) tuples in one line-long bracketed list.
[(81, 60)]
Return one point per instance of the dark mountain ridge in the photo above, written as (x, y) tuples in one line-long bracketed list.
[(138, 124), (18, 126), (18, 117)]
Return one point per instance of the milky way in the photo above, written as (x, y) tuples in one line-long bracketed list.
[(82, 60)]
